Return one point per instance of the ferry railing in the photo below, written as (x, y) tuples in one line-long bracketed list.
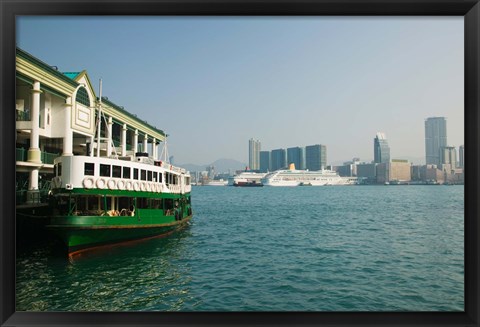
[(48, 158), (118, 143), (21, 154)]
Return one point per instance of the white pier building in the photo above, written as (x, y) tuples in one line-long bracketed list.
[(56, 114)]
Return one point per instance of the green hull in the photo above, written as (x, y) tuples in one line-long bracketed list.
[(86, 220), (82, 237)]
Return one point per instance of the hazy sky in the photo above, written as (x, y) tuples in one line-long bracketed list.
[(212, 83)]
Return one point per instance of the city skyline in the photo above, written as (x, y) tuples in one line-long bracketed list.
[(285, 81)]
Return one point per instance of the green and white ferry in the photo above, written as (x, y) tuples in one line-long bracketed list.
[(98, 201)]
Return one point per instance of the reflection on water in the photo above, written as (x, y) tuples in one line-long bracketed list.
[(108, 279)]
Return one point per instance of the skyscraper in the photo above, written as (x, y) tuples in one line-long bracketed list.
[(381, 150), (265, 161), (435, 139), (448, 156), (461, 156), (254, 154), (296, 156), (315, 157), (278, 159)]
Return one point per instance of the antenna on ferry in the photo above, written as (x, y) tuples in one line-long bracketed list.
[(99, 120)]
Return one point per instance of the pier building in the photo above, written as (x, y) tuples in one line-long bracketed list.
[(57, 113)]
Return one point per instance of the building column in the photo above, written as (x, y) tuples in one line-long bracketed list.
[(154, 149), (34, 154), (145, 143), (109, 141), (124, 140), (34, 150), (68, 136), (135, 142)]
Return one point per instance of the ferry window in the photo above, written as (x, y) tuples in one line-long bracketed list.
[(143, 175), (126, 172), (160, 177), (59, 169), (135, 173), (167, 180), (149, 176), (117, 171), (187, 180), (89, 169), (105, 170), (155, 174)]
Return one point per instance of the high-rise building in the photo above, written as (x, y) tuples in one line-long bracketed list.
[(296, 156), (381, 150), (435, 139), (448, 156), (254, 154), (278, 159), (461, 156), (265, 161), (315, 157)]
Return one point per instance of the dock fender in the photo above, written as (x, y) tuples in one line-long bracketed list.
[(88, 182), (101, 183)]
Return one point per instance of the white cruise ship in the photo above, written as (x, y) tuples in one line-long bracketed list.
[(246, 178), (293, 177)]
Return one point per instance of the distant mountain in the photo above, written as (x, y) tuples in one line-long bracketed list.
[(221, 166)]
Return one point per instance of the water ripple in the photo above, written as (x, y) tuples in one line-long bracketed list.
[(273, 249)]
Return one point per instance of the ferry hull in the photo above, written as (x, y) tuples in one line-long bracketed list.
[(82, 238)]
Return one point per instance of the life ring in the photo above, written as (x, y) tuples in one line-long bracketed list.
[(101, 183), (159, 188), (121, 185), (147, 187), (129, 185), (112, 184), (143, 186), (88, 182), (136, 187)]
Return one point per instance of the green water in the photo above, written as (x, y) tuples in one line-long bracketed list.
[(353, 248)]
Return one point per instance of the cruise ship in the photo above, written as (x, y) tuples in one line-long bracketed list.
[(293, 177)]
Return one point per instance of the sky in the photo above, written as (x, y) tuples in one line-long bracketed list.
[(212, 83)]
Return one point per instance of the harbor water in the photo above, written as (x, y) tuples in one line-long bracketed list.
[(334, 248)]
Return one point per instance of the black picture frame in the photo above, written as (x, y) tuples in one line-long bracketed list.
[(470, 9)]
